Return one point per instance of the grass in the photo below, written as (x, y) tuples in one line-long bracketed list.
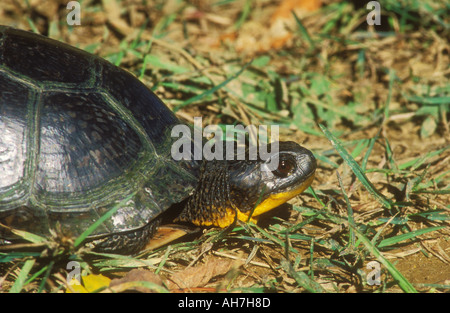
[(377, 124)]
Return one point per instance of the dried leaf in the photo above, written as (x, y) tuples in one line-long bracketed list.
[(138, 275), (200, 275), (255, 37)]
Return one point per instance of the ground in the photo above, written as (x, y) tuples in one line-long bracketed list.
[(382, 92)]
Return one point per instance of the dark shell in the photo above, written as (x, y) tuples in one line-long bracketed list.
[(77, 136)]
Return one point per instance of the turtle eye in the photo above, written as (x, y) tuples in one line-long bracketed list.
[(285, 168)]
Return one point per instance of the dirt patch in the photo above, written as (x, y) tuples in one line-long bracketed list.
[(428, 266)]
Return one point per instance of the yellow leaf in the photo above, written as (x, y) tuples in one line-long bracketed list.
[(94, 282), (75, 287), (91, 283)]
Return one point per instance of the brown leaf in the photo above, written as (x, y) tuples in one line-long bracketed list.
[(200, 275), (257, 36), (137, 275)]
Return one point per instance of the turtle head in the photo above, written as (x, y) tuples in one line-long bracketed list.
[(257, 187), (248, 188)]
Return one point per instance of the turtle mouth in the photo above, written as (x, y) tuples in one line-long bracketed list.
[(276, 199)]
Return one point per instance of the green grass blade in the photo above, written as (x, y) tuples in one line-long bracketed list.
[(302, 279), (274, 239), (13, 255), (46, 269), (390, 156), (244, 15), (351, 220), (410, 235), (404, 284), (326, 160), (21, 278), (212, 90), (29, 236), (313, 192), (434, 215), (417, 162), (360, 146), (356, 168), (368, 152), (304, 31), (392, 78), (157, 62)]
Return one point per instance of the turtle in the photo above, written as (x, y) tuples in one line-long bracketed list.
[(80, 137)]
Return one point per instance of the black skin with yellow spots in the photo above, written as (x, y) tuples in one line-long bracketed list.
[(79, 136)]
